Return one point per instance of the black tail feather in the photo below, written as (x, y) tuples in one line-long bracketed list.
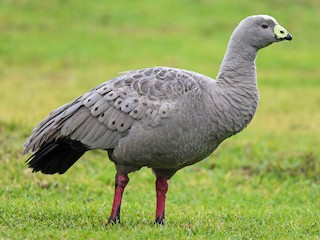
[(56, 157)]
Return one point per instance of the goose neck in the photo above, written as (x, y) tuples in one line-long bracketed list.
[(238, 63)]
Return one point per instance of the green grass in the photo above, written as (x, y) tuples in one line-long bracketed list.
[(261, 184)]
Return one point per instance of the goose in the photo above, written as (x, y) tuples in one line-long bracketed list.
[(160, 117)]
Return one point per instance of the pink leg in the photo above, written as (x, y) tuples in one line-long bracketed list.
[(161, 189), (120, 183)]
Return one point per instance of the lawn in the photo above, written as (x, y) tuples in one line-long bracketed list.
[(263, 183)]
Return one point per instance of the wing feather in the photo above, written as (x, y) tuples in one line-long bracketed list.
[(99, 107), (112, 124), (105, 116), (75, 121), (76, 134), (102, 116)]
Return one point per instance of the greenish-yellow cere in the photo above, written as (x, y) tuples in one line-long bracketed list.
[(280, 31)]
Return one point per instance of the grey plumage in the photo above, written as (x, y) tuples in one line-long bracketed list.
[(163, 118)]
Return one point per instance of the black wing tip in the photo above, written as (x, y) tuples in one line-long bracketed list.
[(56, 157)]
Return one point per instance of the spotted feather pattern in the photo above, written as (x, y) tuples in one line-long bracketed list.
[(102, 116)]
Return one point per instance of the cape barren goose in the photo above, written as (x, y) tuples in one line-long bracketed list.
[(160, 117)]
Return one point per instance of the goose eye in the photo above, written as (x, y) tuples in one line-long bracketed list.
[(264, 26)]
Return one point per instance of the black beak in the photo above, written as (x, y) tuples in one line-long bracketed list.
[(288, 37)]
